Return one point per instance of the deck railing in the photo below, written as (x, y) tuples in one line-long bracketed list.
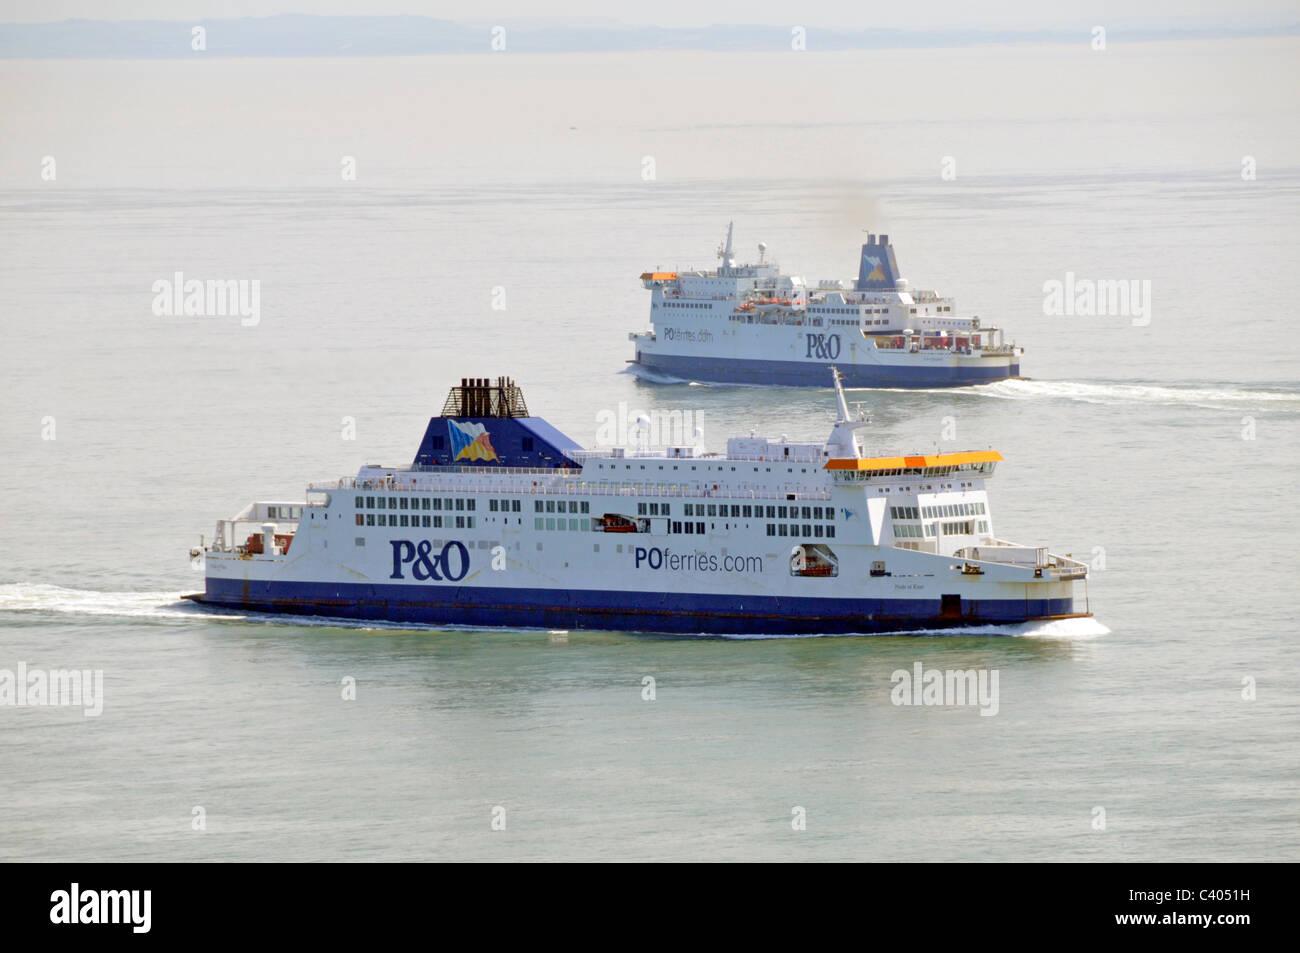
[(580, 488)]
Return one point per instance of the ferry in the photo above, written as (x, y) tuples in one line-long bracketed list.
[(503, 521), (750, 324)]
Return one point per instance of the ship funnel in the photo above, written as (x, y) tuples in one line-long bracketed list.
[(878, 269), (480, 397)]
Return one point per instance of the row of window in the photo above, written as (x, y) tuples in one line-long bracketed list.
[(561, 506), (951, 509), (771, 512), (685, 304), (560, 523), (437, 504), (674, 486), (816, 530), (394, 519), (849, 310), (864, 475), (936, 512), (926, 531), (413, 503), (284, 512)]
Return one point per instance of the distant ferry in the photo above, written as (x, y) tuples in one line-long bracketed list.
[(750, 324), (501, 520)]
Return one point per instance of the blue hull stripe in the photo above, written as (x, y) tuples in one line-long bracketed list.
[(618, 611), (814, 373)]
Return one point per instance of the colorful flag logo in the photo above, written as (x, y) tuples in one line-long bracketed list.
[(470, 442)]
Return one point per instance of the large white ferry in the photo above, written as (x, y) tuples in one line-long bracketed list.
[(750, 324), (501, 520)]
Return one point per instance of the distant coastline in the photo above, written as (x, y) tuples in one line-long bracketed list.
[(301, 35)]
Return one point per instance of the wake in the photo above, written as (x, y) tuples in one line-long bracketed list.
[(1210, 397)]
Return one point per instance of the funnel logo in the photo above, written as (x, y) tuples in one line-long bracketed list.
[(877, 273), (470, 442)]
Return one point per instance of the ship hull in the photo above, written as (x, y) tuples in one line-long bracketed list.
[(680, 613), (815, 374)]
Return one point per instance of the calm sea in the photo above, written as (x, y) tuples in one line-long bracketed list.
[(1163, 449)]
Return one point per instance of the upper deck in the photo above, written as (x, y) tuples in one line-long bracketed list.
[(879, 302)]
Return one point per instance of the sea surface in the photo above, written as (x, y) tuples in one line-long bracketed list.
[(502, 209)]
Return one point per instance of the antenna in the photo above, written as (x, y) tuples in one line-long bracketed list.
[(839, 394), (725, 252)]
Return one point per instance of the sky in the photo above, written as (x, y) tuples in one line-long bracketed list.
[(842, 14)]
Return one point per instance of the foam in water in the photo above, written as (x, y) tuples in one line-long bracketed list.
[(1057, 629), (1207, 397), (32, 597)]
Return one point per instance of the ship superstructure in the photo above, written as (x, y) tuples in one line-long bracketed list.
[(501, 520), (749, 323)]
